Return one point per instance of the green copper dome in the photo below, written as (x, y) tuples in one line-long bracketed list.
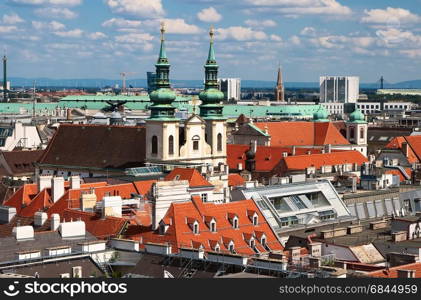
[(357, 117), (321, 116), (162, 95), (211, 96)]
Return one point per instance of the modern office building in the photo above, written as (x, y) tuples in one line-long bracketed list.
[(231, 87), (151, 76), (339, 89)]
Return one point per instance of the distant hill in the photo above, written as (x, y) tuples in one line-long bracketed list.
[(101, 82)]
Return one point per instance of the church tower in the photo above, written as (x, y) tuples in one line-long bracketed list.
[(356, 131), (162, 128), (279, 90), (211, 109)]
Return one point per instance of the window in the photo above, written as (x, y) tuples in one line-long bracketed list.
[(263, 241), (204, 197), (170, 145), (252, 243), (362, 133), (231, 247), (255, 220), (351, 132), (154, 144), (213, 226), (217, 248), (235, 223), (196, 139), (196, 228), (219, 142)]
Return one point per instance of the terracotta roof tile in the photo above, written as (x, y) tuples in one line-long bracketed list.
[(194, 178), (393, 272), (235, 180)]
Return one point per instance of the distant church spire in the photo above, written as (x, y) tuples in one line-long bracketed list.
[(279, 91)]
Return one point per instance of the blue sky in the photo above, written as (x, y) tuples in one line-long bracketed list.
[(309, 38)]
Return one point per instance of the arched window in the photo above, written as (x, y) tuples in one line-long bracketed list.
[(171, 145), (219, 142), (362, 133), (154, 144), (196, 139)]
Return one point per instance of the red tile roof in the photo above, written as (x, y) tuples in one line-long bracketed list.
[(180, 234), (393, 272), (399, 173), (98, 146), (194, 178), (414, 142), (301, 162), (235, 180), (20, 163), (285, 134), (99, 227), (144, 187), (267, 157)]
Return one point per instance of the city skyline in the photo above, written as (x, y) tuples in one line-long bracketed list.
[(101, 38)]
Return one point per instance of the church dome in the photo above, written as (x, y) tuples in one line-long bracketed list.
[(357, 117), (211, 96), (321, 116), (163, 96)]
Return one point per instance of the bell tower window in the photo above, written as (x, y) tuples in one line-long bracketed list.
[(196, 139), (219, 142), (154, 144), (171, 145)]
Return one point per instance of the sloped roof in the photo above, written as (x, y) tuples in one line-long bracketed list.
[(301, 162), (285, 134), (235, 180), (267, 157), (96, 225), (96, 146), (194, 178), (180, 234), (393, 272), (414, 142), (21, 162)]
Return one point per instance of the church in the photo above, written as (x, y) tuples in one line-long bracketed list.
[(200, 140)]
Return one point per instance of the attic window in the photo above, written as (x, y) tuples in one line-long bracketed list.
[(213, 226), (196, 227), (235, 222), (177, 177), (231, 247), (217, 248), (255, 220)]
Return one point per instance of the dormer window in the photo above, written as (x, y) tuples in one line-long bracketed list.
[(217, 248), (255, 219), (196, 227), (235, 222), (213, 226), (252, 243), (231, 247)]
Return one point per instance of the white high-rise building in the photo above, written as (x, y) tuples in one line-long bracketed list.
[(231, 87), (339, 89)]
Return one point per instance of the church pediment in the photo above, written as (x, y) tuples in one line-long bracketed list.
[(195, 119)]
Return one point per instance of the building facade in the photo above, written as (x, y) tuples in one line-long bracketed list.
[(342, 89), (231, 87)]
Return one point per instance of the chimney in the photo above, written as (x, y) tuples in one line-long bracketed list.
[(44, 182), (406, 274), (294, 150), (55, 222), (40, 218), (88, 201), (23, 233), (405, 149), (75, 182), (112, 206), (72, 229), (240, 167), (7, 213), (284, 154), (69, 114), (57, 188), (315, 249), (295, 254), (328, 148)]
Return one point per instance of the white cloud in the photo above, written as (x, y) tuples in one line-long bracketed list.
[(75, 33), (56, 13), (390, 15), (295, 40), (118, 22), (302, 7), (53, 25), (8, 29), (134, 38), (239, 33), (12, 19), (275, 37), (209, 15), (49, 2), (176, 26), (97, 35), (393, 37), (412, 53), (259, 24), (308, 31), (140, 8)]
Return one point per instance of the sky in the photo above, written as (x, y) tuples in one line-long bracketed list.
[(65, 39)]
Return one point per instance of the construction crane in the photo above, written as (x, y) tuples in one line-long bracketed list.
[(124, 76)]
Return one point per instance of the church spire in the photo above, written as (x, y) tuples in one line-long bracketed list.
[(163, 96), (211, 97), (279, 91)]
